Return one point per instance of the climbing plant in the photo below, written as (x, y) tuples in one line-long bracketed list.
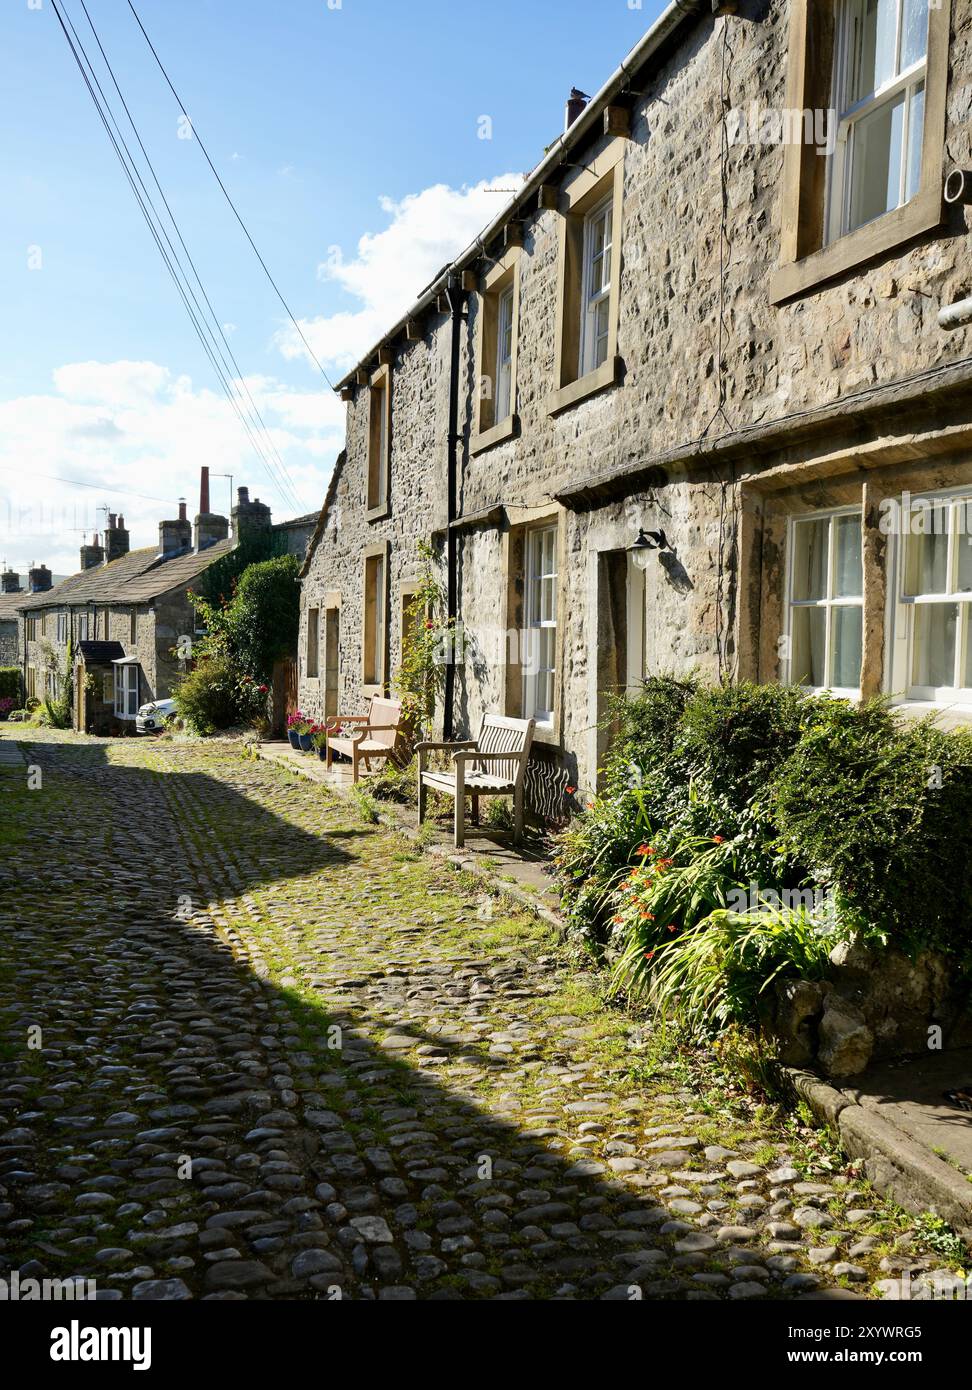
[(420, 677)]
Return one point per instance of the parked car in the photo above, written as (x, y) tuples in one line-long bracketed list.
[(150, 718)]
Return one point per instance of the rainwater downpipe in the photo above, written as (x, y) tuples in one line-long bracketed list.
[(454, 294)]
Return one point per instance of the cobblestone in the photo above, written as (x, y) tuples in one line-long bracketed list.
[(251, 1046)]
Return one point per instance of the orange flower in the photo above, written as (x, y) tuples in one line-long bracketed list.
[(644, 850), (648, 916), (570, 790), (673, 928), (649, 955), (618, 920), (718, 839)]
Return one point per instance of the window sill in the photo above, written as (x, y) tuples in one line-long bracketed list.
[(378, 513), (506, 429), (605, 376), (949, 716), (922, 214)]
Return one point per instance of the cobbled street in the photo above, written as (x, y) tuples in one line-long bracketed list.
[(253, 1047)]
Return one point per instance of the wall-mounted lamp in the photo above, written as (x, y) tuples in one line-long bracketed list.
[(647, 542)]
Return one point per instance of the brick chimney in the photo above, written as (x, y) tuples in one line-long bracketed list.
[(116, 538), (576, 105), (10, 582), (39, 579), (249, 517), (208, 527), (175, 537), (93, 554)]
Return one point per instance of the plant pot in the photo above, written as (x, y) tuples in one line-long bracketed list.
[(294, 739), (322, 753), (306, 743)]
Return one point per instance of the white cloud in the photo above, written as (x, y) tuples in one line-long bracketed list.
[(139, 434), (392, 267)]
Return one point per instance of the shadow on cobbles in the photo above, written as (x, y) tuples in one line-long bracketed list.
[(180, 1118)]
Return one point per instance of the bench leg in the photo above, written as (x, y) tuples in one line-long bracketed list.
[(518, 816), (423, 799), (460, 820), (330, 757), (475, 809), (354, 765)]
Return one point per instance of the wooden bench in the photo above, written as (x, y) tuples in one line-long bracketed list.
[(374, 735), (493, 765)]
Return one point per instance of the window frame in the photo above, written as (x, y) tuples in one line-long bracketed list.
[(601, 180), (840, 182), (904, 607), (62, 628), (592, 300), (807, 258), (503, 279), (828, 603), (374, 678), (534, 579), (312, 648), (127, 684), (378, 467)]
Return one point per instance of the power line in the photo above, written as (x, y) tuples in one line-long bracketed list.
[(171, 261), (76, 482), (242, 387), (246, 233)]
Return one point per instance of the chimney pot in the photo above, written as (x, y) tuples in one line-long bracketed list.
[(576, 104), (182, 509), (204, 490)]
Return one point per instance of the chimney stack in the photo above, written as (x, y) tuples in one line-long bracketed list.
[(209, 527), (249, 517), (576, 105), (93, 554), (39, 579), (10, 582), (175, 537), (116, 538)]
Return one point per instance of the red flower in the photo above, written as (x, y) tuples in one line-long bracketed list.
[(264, 689), (649, 955), (644, 850), (569, 791), (718, 839), (673, 928)]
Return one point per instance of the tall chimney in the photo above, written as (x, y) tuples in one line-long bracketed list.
[(10, 582), (93, 554), (40, 579), (209, 528), (576, 104), (249, 517), (116, 538), (175, 537)]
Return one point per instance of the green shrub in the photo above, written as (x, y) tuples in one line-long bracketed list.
[(9, 682), (713, 974), (214, 696), (258, 624), (885, 810)]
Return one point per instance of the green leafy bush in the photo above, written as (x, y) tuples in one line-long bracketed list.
[(884, 809), (725, 807), (9, 683), (259, 623), (214, 696)]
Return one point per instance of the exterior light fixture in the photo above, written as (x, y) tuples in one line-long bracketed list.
[(647, 542)]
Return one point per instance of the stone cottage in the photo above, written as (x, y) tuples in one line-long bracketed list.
[(698, 399), (125, 617), (11, 594)]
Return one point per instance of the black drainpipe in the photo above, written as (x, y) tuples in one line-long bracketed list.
[(454, 294)]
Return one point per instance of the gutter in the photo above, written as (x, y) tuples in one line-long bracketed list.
[(677, 13)]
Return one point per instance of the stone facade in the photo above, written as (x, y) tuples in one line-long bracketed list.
[(730, 408)]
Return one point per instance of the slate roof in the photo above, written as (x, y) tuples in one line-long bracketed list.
[(9, 604), (137, 577)]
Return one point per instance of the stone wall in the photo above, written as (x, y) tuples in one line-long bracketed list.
[(9, 643), (419, 404), (699, 242)]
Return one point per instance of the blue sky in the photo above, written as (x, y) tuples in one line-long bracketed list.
[(350, 140)]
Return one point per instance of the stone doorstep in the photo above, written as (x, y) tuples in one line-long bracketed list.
[(531, 884), (893, 1118)]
